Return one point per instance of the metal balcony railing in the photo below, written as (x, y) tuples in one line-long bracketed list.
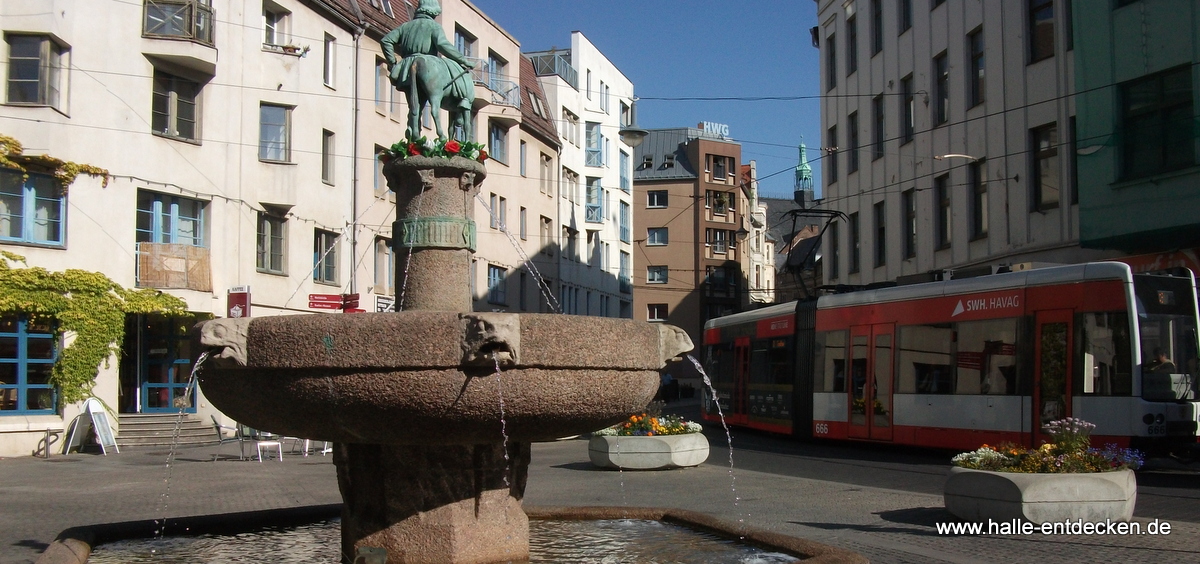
[(504, 91), (625, 284), (183, 19), (595, 157), (593, 213), (547, 64)]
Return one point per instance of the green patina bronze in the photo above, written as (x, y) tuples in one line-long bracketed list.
[(437, 232), (416, 69)]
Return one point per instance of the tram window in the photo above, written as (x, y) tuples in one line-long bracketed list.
[(721, 362), (1102, 351), (986, 359), (770, 361), (924, 360), (830, 357)]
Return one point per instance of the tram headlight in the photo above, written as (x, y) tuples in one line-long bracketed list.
[(1159, 418), (1148, 418)]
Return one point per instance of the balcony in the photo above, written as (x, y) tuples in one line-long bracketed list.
[(595, 157), (173, 266), (593, 213), (625, 284), (503, 91), (179, 19), (548, 64)]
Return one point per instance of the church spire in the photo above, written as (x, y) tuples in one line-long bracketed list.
[(804, 182)]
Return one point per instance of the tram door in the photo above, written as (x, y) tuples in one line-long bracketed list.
[(871, 377), (741, 379), (1052, 370)]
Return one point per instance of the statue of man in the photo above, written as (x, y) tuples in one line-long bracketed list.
[(423, 76)]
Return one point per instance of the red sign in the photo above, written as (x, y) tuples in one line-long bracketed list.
[(237, 302), (349, 301), (325, 301)]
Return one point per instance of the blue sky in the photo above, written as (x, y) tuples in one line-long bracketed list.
[(699, 48)]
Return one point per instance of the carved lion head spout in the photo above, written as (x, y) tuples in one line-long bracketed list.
[(491, 337), (228, 339), (673, 342)]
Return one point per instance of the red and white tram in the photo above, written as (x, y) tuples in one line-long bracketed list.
[(959, 363)]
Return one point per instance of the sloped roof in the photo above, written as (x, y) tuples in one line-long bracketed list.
[(530, 120), (370, 12), (657, 145)]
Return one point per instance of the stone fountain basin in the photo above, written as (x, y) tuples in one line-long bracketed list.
[(425, 377)]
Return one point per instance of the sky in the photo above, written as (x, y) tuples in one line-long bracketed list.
[(699, 48)]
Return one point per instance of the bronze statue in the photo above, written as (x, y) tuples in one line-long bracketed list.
[(426, 78)]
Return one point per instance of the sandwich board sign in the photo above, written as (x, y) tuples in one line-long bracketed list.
[(93, 417)]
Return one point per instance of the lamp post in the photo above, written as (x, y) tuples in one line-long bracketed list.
[(631, 134)]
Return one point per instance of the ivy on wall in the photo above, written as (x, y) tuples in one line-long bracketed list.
[(12, 156), (88, 304)]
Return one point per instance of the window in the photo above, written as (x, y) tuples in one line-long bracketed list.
[(330, 60), (594, 205), (327, 146), (494, 70), (547, 235), (720, 202), (876, 27), (941, 194), (830, 362), (275, 24), (28, 351), (546, 182), (985, 358), (1105, 346), (717, 240), (464, 42), (907, 109), (383, 85), (589, 84), (498, 142), (524, 154), (385, 267), (35, 71), (908, 200), (941, 89), (855, 243), (270, 249), (656, 312), (380, 180), (626, 185), (570, 127), (325, 257), (878, 133), (979, 199), (905, 16), (496, 283), (831, 167), (976, 81), (571, 248), (834, 244), (625, 274), (852, 134), (656, 236), (524, 224), (656, 199), (570, 185), (173, 106), (1041, 30), (275, 124), (186, 19), (31, 208), (1156, 122), (851, 45), (169, 219), (880, 234), (656, 274), (1046, 183), (603, 97), (626, 225), (595, 246), (595, 142), (831, 62), (925, 354), (387, 7), (523, 289), (718, 167)]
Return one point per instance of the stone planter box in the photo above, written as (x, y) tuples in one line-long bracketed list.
[(648, 453), (979, 495)]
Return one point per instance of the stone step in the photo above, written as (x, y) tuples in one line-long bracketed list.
[(160, 430)]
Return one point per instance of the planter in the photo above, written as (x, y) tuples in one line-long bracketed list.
[(648, 453), (980, 495)]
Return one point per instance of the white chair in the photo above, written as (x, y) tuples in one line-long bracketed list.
[(269, 443)]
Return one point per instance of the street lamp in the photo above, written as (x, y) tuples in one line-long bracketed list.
[(955, 156), (631, 134)]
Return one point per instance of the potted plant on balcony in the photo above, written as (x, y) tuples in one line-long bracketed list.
[(649, 441), (1065, 479)]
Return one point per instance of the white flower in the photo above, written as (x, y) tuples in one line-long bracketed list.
[(693, 427), (606, 432)]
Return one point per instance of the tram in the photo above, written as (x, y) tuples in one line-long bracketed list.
[(959, 363)]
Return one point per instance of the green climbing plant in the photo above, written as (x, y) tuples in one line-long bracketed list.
[(12, 156), (87, 304)]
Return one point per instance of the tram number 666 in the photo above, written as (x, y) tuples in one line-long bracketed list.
[(821, 428)]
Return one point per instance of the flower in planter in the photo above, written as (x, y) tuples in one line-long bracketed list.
[(651, 423), (1069, 451), (443, 148)]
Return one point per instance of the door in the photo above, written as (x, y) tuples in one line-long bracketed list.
[(165, 360), (871, 376), (1052, 370)]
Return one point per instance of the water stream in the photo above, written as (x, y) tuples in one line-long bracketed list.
[(547, 292), (728, 436), (183, 403)]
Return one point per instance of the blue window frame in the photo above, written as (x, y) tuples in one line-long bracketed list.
[(626, 185), (28, 351), (31, 209), (625, 223), (169, 219), (496, 293), (498, 142)]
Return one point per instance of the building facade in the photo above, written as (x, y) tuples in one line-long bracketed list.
[(244, 184), (690, 207), (758, 268), (948, 137), (1138, 183), (591, 101)]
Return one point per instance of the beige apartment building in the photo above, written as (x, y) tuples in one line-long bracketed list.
[(242, 183)]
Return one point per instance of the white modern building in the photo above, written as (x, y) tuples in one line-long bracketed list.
[(948, 137), (759, 266), (592, 101), (240, 141)]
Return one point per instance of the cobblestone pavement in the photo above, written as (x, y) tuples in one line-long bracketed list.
[(40, 498)]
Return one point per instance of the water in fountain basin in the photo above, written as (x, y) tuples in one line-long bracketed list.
[(183, 403), (728, 436)]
